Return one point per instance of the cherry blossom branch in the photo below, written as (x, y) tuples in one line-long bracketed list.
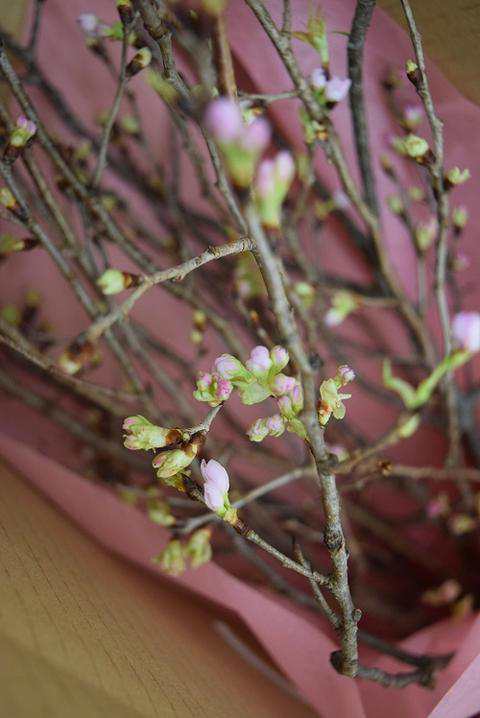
[(177, 273)]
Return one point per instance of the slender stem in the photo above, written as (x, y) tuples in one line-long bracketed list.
[(112, 115), (179, 272), (356, 41)]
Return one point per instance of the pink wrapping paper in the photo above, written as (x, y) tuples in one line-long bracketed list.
[(297, 642)]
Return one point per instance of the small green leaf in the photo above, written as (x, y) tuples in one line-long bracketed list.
[(253, 393), (405, 390)]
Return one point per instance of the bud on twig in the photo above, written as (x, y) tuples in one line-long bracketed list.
[(10, 244), (125, 11), (139, 62), (79, 353), (114, 281), (454, 177), (9, 202), (413, 74), (20, 136)]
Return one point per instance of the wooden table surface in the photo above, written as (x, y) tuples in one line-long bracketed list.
[(83, 634)]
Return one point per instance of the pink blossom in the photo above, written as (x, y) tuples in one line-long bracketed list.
[(265, 184), (337, 89), (204, 380), (26, 125), (224, 389), (461, 261), (275, 425), (274, 176), (341, 200), (318, 78), (466, 330), (258, 430), (90, 24), (227, 366), (297, 396), (283, 384), (256, 136), (284, 167), (413, 114), (279, 357), (223, 119), (345, 374), (215, 488), (260, 361), (285, 405)]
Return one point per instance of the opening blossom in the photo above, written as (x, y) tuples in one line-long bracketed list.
[(91, 26), (331, 400), (330, 90), (241, 143), (337, 89), (272, 183), (466, 330), (212, 389), (215, 489), (23, 132)]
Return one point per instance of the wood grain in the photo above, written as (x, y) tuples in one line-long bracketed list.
[(83, 634)]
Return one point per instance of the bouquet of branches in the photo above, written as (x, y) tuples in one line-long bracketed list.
[(218, 340)]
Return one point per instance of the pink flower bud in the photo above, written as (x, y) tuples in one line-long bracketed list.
[(223, 120), (412, 116), (27, 126), (265, 184), (460, 261), (227, 367), (283, 384), (284, 167), (466, 330), (318, 78), (223, 390), (280, 357), (438, 506), (337, 89), (89, 24), (204, 380), (297, 397), (275, 425), (285, 405), (256, 136), (345, 374), (258, 430), (215, 488), (341, 200), (259, 362)]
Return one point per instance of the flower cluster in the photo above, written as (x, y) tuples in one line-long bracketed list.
[(241, 144), (257, 379), (329, 91), (177, 448), (331, 399), (176, 555)]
